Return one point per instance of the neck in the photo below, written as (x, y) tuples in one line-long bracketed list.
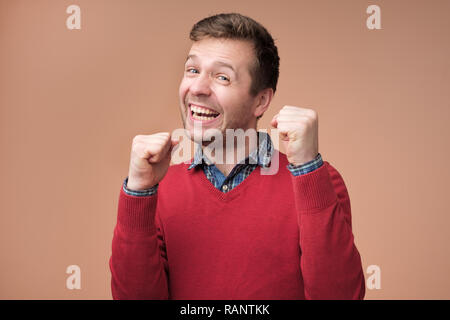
[(234, 149)]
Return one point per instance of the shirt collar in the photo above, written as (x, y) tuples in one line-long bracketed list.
[(261, 156)]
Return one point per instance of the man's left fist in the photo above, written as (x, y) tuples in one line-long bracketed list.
[(299, 130)]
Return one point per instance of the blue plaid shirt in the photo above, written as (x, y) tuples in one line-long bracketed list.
[(259, 157)]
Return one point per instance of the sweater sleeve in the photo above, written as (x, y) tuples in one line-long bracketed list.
[(138, 262), (330, 262)]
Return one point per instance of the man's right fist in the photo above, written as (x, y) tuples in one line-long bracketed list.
[(150, 159)]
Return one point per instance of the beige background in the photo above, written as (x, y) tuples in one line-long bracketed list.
[(72, 100)]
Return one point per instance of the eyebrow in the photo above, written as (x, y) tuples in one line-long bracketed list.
[(220, 63)]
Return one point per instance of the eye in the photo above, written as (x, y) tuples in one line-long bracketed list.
[(225, 78), (190, 69)]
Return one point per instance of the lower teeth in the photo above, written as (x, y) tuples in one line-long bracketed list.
[(195, 116)]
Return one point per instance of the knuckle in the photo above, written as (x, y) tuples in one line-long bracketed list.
[(135, 144), (137, 138), (313, 113), (137, 148)]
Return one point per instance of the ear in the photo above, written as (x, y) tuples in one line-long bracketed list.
[(263, 100)]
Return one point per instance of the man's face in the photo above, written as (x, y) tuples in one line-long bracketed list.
[(217, 80)]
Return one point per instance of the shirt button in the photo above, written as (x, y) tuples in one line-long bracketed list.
[(225, 188)]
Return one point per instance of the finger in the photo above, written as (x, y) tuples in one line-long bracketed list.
[(160, 138), (290, 118), (161, 135), (151, 138), (286, 128), (159, 151), (293, 108), (305, 112)]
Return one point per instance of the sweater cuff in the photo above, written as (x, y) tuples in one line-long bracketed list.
[(141, 193), (306, 167), (136, 213), (314, 191)]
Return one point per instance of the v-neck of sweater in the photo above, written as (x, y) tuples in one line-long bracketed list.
[(216, 193)]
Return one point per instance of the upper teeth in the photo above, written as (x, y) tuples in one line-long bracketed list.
[(202, 110)]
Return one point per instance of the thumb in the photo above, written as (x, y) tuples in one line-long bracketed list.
[(274, 122), (174, 144)]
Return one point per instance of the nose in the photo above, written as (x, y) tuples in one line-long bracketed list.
[(201, 85)]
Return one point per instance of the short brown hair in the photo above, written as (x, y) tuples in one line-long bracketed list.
[(235, 26)]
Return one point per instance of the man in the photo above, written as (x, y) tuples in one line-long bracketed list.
[(213, 229)]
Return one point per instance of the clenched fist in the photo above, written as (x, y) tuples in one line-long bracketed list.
[(299, 130), (149, 160)]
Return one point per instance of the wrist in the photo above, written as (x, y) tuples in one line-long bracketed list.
[(299, 161), (135, 185)]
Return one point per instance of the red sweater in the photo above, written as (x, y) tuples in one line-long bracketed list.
[(271, 237)]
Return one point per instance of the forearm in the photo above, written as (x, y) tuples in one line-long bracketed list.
[(137, 263), (330, 262)]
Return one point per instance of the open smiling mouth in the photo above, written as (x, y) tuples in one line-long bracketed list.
[(202, 114)]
